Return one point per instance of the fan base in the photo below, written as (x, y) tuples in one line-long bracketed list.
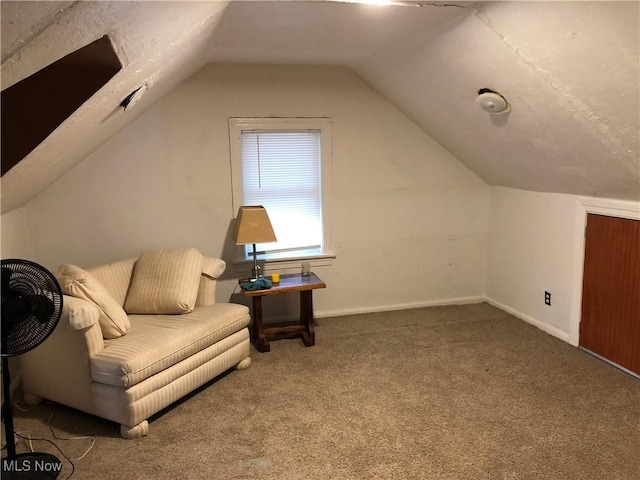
[(31, 466)]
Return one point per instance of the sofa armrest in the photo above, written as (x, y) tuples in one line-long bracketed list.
[(59, 369), (213, 267), (79, 320), (211, 271), (78, 313)]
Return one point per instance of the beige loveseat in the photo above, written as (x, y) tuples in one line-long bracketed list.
[(137, 335)]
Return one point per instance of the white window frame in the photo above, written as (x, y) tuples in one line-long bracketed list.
[(237, 125)]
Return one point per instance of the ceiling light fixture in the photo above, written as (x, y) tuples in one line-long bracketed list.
[(133, 98), (492, 102)]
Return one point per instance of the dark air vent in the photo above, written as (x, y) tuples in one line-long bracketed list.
[(37, 105)]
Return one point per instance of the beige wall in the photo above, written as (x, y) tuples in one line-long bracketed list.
[(531, 245), (409, 222), (411, 225), (536, 244), (14, 238)]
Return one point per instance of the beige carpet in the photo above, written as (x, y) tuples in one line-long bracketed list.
[(460, 392)]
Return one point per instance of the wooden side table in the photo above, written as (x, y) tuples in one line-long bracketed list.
[(293, 282)]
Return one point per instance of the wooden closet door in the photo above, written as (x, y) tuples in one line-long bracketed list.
[(610, 324)]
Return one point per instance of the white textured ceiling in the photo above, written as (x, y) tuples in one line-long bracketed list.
[(319, 33), (569, 70)]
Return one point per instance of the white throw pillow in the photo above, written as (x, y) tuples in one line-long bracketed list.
[(78, 283), (165, 282)]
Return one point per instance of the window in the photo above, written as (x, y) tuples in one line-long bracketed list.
[(283, 164)]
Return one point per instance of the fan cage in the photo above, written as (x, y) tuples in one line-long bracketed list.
[(29, 279)]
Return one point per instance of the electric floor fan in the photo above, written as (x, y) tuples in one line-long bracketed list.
[(31, 309)]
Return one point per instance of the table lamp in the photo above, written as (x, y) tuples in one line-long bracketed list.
[(253, 226)]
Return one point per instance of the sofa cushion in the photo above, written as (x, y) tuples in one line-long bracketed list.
[(78, 283), (156, 342), (115, 277), (165, 282)]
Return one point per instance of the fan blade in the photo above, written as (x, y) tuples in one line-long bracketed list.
[(31, 306), (41, 307), (17, 308)]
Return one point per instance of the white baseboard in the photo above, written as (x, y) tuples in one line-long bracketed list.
[(400, 306), (556, 332)]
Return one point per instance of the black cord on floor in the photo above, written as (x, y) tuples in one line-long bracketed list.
[(29, 439)]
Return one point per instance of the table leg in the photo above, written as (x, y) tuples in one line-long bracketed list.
[(257, 334), (306, 318)]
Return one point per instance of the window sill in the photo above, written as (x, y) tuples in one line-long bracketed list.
[(278, 262)]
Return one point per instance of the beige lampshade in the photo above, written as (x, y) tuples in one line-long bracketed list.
[(253, 226)]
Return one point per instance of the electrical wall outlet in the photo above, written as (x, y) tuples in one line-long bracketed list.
[(547, 298)]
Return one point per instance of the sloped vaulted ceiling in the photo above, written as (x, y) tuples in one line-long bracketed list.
[(568, 69), (158, 43), (570, 72)]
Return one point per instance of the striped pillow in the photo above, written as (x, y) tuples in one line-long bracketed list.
[(165, 282), (78, 283), (115, 277)]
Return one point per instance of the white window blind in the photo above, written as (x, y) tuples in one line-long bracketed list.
[(281, 170)]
